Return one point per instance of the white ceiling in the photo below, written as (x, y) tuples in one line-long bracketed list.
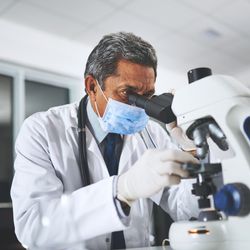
[(185, 33)]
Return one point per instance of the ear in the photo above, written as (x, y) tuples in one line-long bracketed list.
[(91, 87)]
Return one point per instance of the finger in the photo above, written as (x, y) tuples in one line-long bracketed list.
[(171, 125), (174, 180), (171, 168), (177, 156)]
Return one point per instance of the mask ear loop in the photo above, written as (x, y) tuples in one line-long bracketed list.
[(102, 91), (97, 110)]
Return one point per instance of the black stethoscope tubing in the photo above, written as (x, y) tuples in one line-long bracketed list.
[(82, 121)]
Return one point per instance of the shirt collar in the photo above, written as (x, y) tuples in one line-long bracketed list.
[(94, 122)]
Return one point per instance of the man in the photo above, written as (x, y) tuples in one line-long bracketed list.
[(54, 207)]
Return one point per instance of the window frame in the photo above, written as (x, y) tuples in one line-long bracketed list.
[(19, 74), (11, 114)]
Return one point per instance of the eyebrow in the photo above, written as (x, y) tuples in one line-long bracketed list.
[(133, 88)]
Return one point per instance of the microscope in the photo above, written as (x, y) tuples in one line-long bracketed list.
[(213, 111)]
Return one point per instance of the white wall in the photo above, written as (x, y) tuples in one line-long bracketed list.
[(41, 50), (26, 46), (169, 80)]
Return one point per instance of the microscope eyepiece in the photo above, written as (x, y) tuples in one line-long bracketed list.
[(158, 107)]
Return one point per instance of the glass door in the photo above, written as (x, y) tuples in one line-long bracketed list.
[(41, 97), (6, 137)]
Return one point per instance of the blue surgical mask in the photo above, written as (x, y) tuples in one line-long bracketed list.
[(121, 118)]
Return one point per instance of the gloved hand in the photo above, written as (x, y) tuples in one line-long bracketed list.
[(153, 171), (180, 137)]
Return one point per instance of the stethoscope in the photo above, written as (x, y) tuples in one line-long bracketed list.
[(82, 121)]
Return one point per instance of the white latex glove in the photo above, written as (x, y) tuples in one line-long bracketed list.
[(153, 171), (180, 137)]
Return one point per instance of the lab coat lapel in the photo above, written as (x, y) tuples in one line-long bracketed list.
[(129, 146), (97, 166), (98, 169)]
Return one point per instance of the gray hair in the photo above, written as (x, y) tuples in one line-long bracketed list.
[(102, 61)]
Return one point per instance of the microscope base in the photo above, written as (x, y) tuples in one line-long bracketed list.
[(211, 235)]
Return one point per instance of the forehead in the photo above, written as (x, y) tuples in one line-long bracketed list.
[(134, 74), (128, 70)]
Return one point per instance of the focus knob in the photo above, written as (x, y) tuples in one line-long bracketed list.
[(233, 199)]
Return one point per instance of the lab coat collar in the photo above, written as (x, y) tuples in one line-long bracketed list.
[(72, 121), (94, 122), (92, 148)]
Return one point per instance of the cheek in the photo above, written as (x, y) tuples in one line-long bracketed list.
[(101, 105)]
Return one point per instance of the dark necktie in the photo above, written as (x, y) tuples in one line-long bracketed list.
[(112, 157), (112, 152)]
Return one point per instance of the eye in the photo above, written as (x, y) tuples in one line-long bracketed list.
[(127, 91), (124, 93)]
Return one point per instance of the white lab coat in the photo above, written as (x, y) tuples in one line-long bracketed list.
[(51, 208)]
